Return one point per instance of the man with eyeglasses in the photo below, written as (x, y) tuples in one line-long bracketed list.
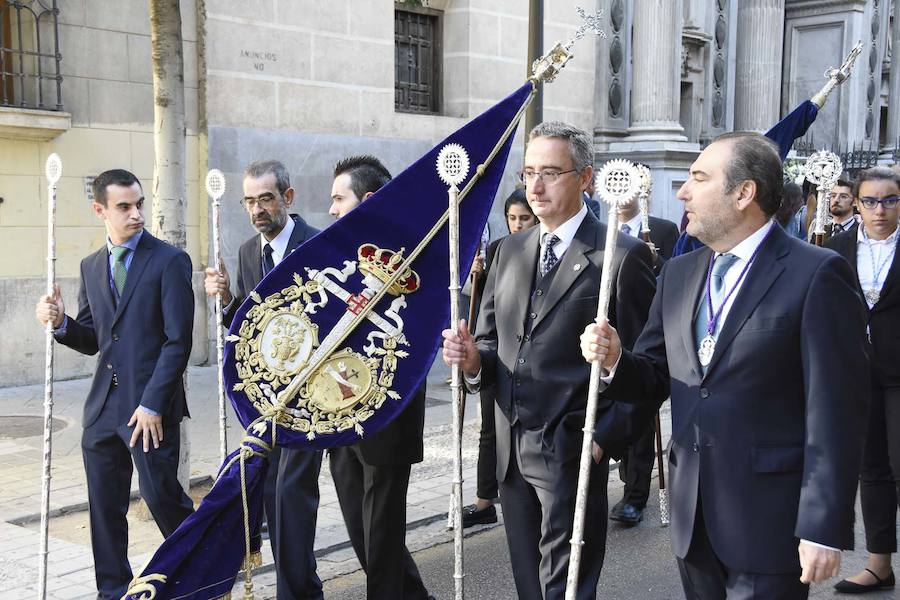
[(292, 482), (541, 292), (872, 251), (841, 207)]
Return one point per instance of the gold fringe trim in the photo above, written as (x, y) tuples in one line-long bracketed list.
[(253, 561)]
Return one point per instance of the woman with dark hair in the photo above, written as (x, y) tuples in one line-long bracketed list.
[(518, 218)]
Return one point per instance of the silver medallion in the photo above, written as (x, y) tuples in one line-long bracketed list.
[(706, 350), (873, 296)]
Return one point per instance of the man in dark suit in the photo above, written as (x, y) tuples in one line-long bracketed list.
[(871, 250), (136, 308), (541, 291), (636, 465), (292, 481), (841, 207), (372, 476), (768, 389)]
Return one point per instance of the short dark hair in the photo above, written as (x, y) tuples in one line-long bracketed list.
[(517, 197), (112, 177), (258, 168), (366, 173), (845, 181), (755, 158), (876, 174)]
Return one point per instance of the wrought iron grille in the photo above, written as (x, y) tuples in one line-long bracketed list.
[(29, 54), (855, 157), (417, 61)]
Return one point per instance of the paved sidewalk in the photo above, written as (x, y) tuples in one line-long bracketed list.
[(70, 565)]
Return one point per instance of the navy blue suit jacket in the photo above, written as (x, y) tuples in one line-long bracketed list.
[(769, 440), (145, 340)]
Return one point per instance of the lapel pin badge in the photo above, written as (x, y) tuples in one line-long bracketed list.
[(576, 267)]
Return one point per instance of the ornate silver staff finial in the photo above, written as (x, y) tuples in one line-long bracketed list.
[(215, 184), (618, 182), (837, 76), (822, 168), (53, 168), (547, 67), (453, 164)]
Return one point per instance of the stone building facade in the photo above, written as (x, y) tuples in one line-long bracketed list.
[(309, 82)]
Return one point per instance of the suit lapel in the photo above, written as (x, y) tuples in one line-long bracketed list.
[(99, 273), (572, 264), (765, 269), (890, 279), (298, 235), (521, 267), (694, 292), (142, 255)]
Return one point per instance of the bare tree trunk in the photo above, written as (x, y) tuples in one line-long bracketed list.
[(169, 175)]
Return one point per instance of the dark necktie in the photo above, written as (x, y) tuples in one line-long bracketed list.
[(626, 229), (119, 271), (550, 259), (268, 262)]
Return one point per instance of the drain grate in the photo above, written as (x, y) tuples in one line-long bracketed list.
[(23, 426)]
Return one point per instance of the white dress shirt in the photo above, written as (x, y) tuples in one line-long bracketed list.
[(280, 243), (877, 252)]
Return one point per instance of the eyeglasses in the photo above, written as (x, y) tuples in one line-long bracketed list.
[(843, 197), (548, 176), (871, 202), (264, 200)]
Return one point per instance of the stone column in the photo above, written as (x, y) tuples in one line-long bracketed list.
[(893, 106), (656, 81), (760, 35)]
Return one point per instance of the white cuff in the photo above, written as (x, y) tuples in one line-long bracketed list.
[(607, 379), (817, 545)]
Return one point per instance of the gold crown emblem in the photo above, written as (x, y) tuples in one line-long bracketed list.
[(383, 264)]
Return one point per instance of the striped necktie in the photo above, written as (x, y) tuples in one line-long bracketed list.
[(119, 271)]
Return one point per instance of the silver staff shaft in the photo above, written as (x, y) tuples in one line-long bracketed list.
[(220, 335), (823, 199), (456, 393), (48, 396), (584, 469)]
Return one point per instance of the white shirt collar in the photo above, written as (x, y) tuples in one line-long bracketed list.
[(634, 224), (280, 243), (748, 246), (862, 238), (566, 232)]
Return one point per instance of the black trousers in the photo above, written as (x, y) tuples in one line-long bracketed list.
[(538, 516), (296, 509), (373, 502), (636, 466), (487, 447), (108, 465), (704, 577), (879, 478)]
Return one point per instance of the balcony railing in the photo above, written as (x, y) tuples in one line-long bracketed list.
[(29, 54)]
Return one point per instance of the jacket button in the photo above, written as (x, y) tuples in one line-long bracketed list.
[(539, 293), (696, 447), (704, 393), (527, 338), (109, 366), (533, 315), (521, 361), (115, 338), (518, 337)]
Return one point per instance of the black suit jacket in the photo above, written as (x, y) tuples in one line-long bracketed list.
[(663, 234), (771, 436), (542, 371), (145, 340), (883, 319)]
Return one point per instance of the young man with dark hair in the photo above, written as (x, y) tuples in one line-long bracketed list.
[(292, 481), (841, 207), (871, 250), (372, 476), (768, 403), (136, 309)]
